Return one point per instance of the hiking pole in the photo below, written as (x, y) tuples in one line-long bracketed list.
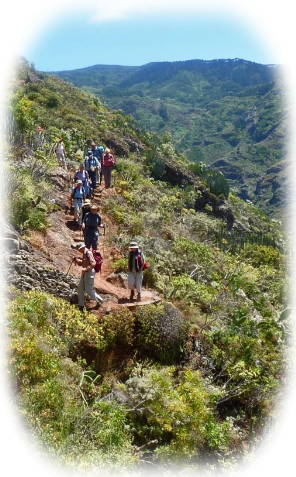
[(104, 238), (70, 266)]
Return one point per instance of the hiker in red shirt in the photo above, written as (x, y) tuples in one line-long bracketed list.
[(108, 162)]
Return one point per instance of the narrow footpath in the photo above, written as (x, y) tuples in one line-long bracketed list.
[(64, 232)]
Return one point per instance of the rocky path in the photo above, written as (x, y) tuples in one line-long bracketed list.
[(53, 252), (44, 261)]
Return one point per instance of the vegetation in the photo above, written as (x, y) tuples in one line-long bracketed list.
[(222, 113), (193, 381)]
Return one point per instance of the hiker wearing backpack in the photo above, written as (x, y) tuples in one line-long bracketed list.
[(87, 279), (61, 153), (82, 175), (136, 261), (98, 152), (91, 165), (108, 162), (91, 222), (77, 197)]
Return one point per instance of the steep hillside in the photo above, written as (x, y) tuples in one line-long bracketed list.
[(57, 106), (190, 378), (229, 114)]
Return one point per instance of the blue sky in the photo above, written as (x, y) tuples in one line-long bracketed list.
[(67, 34)]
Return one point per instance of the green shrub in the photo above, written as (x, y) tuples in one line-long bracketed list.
[(120, 265), (161, 332), (174, 409), (25, 217)]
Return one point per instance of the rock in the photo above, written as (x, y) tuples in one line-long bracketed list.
[(24, 246), (10, 244), (118, 279), (61, 179), (9, 232), (175, 176)]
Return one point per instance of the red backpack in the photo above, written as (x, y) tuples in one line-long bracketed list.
[(99, 260)]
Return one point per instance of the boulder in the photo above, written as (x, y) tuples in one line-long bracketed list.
[(118, 279), (10, 244)]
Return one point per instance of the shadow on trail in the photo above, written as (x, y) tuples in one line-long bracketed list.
[(72, 225), (123, 300)]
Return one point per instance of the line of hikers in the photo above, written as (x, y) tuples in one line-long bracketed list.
[(98, 162)]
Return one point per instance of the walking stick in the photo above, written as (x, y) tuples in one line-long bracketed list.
[(70, 266), (104, 238)]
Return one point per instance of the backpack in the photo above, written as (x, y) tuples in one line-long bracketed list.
[(145, 265), (101, 151), (99, 260), (81, 193)]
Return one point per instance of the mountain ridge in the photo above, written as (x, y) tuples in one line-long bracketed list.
[(216, 110)]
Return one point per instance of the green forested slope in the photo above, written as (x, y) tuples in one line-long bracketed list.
[(193, 381), (229, 114)]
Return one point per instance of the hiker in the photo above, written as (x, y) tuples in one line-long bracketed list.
[(85, 208), (77, 196), (92, 220), (136, 261), (91, 164), (82, 174), (87, 279), (98, 152), (61, 153), (108, 162)]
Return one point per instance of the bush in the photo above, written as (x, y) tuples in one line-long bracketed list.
[(173, 408), (161, 332), (11, 181), (25, 217)]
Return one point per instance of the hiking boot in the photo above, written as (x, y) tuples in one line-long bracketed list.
[(139, 298), (81, 308), (132, 295)]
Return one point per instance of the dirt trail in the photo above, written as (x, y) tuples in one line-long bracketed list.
[(64, 232)]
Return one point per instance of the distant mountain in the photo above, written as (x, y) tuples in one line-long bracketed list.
[(229, 114)]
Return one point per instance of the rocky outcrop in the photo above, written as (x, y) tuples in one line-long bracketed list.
[(60, 178), (220, 207), (176, 176), (11, 241), (24, 272), (18, 268), (122, 148)]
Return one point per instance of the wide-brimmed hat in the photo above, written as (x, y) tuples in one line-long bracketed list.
[(78, 246), (94, 206), (78, 182), (133, 245), (87, 202)]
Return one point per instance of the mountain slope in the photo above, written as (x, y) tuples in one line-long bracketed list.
[(192, 377), (230, 114)]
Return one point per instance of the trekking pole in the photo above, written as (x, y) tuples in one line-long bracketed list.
[(70, 266)]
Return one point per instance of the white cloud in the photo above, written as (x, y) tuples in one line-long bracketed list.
[(108, 10)]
